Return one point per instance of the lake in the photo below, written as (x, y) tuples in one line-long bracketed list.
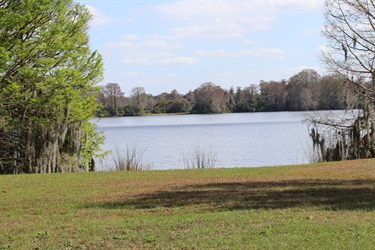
[(236, 140)]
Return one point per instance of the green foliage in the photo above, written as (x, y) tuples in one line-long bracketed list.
[(129, 110), (161, 106), (47, 86), (179, 106)]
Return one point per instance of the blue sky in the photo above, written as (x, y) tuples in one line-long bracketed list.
[(166, 45)]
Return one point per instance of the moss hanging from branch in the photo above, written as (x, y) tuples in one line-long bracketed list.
[(345, 142)]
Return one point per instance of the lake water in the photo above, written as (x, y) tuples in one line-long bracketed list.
[(237, 140)]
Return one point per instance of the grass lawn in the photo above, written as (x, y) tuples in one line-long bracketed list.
[(319, 206)]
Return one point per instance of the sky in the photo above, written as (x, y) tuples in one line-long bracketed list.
[(180, 44)]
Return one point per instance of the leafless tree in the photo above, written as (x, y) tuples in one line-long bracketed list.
[(138, 99), (112, 97), (350, 31), (273, 95)]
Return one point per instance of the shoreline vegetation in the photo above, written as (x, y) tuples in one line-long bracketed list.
[(304, 91), (313, 206)]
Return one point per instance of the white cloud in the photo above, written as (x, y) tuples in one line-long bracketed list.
[(208, 20), (298, 5), (300, 68), (178, 60), (130, 37), (135, 61), (130, 20), (213, 31), (130, 74), (249, 43), (296, 70), (227, 19), (99, 17), (131, 43), (172, 76), (259, 52), (137, 49)]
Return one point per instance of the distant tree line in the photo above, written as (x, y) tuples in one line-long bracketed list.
[(306, 90)]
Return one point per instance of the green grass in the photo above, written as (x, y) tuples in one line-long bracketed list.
[(319, 206)]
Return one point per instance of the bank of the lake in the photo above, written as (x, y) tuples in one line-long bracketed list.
[(319, 206)]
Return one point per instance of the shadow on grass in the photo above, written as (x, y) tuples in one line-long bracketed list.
[(325, 194)]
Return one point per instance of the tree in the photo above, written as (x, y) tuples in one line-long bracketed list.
[(174, 95), (179, 106), (350, 31), (273, 95), (231, 100), (302, 93), (112, 98), (138, 100), (47, 87), (247, 99), (209, 98), (331, 92)]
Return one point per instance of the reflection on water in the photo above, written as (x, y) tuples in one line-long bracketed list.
[(238, 140)]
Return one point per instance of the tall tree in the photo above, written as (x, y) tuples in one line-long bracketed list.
[(112, 98), (273, 95), (209, 98), (47, 87), (138, 99), (302, 94), (247, 99), (231, 100), (331, 92), (350, 31)]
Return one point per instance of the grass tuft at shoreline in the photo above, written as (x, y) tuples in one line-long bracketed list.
[(317, 206)]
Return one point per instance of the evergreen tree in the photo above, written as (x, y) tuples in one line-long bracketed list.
[(47, 87)]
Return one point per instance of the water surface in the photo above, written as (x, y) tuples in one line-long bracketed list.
[(237, 140)]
